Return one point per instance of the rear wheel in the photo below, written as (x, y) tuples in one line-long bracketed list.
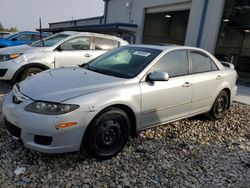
[(108, 134), (29, 72), (219, 107)]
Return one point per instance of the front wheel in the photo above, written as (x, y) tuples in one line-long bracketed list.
[(29, 72), (107, 134), (220, 106)]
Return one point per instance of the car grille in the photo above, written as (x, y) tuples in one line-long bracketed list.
[(12, 129)]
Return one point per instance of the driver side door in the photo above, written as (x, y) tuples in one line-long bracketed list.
[(164, 101), (73, 52)]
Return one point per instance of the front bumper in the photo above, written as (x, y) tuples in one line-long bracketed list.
[(38, 128), (8, 69)]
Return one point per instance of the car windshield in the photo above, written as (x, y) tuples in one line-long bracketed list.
[(50, 41), (9, 36), (123, 62)]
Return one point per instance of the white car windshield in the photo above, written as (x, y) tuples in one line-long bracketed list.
[(50, 41), (123, 62)]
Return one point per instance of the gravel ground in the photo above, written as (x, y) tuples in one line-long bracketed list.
[(189, 153)]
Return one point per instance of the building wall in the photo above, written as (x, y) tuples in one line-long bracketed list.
[(74, 23), (120, 11)]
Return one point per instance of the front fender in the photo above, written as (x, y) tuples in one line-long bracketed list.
[(92, 104)]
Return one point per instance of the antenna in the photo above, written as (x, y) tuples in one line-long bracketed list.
[(40, 29)]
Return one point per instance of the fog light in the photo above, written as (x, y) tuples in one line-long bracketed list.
[(64, 125)]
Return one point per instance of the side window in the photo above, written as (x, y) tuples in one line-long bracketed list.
[(104, 44), (24, 37), (174, 63), (78, 43), (36, 37), (201, 63)]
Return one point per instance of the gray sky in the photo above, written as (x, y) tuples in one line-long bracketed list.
[(24, 14)]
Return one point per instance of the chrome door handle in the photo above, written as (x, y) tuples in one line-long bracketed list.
[(186, 84), (218, 77), (87, 55)]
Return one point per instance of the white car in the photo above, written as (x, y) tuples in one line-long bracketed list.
[(64, 49), (132, 88)]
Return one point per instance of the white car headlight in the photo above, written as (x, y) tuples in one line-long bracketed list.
[(50, 108), (8, 57)]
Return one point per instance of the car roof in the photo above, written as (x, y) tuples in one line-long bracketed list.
[(166, 47), (29, 32), (90, 34)]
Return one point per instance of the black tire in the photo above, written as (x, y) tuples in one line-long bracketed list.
[(107, 135), (220, 106), (29, 72)]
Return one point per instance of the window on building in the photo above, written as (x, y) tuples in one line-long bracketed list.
[(233, 42), (174, 63), (104, 44), (165, 27), (78, 43)]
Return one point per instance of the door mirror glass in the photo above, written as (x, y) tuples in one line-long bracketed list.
[(158, 76)]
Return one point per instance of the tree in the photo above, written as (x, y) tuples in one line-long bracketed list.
[(12, 29)]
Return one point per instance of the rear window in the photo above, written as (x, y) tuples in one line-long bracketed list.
[(104, 43)]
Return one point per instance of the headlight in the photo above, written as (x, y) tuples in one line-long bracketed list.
[(50, 108), (8, 57)]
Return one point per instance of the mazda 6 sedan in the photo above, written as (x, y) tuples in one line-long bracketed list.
[(99, 105)]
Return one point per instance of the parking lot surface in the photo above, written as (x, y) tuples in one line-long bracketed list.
[(194, 152)]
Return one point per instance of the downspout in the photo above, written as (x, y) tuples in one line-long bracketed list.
[(105, 11), (202, 22)]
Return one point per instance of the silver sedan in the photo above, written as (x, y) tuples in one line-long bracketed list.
[(97, 106)]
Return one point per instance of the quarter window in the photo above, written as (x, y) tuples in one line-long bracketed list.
[(105, 44), (174, 63), (202, 63), (79, 43)]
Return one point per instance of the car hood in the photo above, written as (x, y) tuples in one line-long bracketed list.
[(61, 84), (3, 40), (20, 49)]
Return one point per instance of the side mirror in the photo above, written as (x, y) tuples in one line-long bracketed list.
[(158, 76), (14, 39), (59, 48)]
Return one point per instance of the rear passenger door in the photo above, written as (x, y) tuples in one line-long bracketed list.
[(207, 78)]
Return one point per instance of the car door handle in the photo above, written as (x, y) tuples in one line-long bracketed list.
[(87, 55), (218, 77), (186, 84)]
